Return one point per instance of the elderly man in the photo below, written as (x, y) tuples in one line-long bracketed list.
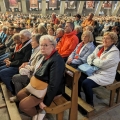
[(68, 42), (88, 22), (59, 34), (55, 19), (16, 59)]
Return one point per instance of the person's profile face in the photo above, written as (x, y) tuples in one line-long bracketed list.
[(67, 28)]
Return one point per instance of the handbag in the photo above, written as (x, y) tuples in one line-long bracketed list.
[(26, 71), (38, 93), (87, 69), (37, 87)]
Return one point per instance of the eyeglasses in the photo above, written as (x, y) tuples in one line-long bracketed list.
[(45, 45)]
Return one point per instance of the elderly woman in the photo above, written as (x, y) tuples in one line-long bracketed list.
[(26, 69), (16, 59), (82, 51), (50, 71), (78, 29), (51, 31), (42, 30), (106, 58), (17, 44)]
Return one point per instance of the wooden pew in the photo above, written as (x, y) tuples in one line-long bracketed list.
[(11, 107), (114, 91), (60, 104), (89, 109)]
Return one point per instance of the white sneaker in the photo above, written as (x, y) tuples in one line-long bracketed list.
[(35, 117), (41, 115), (13, 99)]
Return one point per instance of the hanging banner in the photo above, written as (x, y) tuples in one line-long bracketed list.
[(33, 4), (52, 3), (89, 4), (107, 5), (13, 3)]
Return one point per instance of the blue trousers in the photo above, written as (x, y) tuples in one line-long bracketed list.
[(6, 74), (2, 57), (87, 86)]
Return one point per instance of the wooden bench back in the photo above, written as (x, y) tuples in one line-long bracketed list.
[(60, 104), (73, 79), (118, 68)]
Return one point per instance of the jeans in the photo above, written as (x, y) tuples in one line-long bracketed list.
[(87, 86), (6, 74), (81, 79), (2, 57)]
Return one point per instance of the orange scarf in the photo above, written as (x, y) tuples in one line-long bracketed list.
[(100, 52), (78, 50), (17, 47)]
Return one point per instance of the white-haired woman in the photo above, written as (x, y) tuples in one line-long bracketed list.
[(16, 59), (106, 57), (50, 72), (82, 51)]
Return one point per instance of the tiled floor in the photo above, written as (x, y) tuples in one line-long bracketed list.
[(99, 102)]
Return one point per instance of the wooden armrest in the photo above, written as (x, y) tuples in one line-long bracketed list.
[(58, 109), (113, 86), (73, 70)]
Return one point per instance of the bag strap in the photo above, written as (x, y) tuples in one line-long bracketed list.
[(25, 45)]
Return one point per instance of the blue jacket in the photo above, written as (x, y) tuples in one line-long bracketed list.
[(87, 50)]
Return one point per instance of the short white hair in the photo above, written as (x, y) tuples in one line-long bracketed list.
[(54, 13), (60, 29), (26, 33), (50, 38), (79, 28)]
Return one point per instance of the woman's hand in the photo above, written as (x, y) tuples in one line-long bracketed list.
[(42, 105), (8, 63), (23, 65), (5, 60), (69, 60)]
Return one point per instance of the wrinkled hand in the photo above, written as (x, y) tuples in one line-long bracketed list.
[(42, 105), (8, 63), (23, 65), (69, 60), (5, 60)]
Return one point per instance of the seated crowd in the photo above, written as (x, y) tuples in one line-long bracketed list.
[(35, 49)]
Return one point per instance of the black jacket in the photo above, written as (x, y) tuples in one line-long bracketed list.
[(52, 72), (17, 58)]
